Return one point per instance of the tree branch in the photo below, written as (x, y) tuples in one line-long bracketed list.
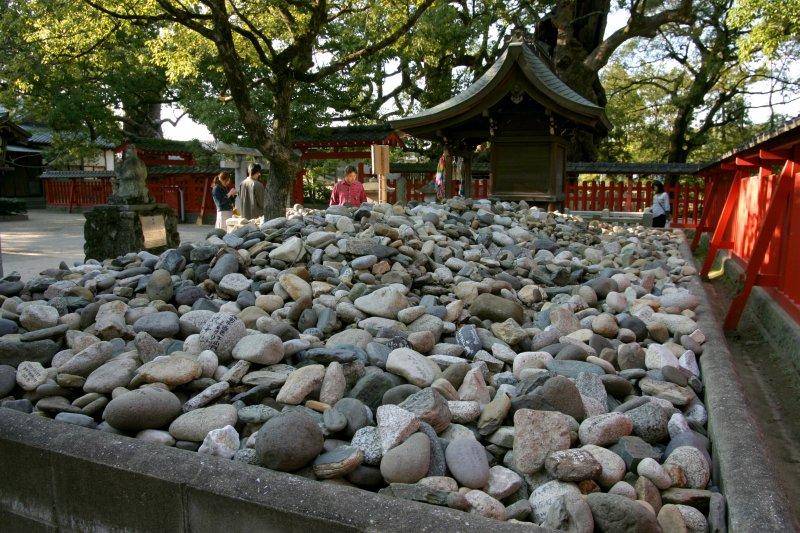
[(638, 26), (368, 50)]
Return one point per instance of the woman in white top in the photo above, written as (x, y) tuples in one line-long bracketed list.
[(660, 209)]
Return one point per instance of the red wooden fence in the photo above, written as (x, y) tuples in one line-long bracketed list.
[(686, 201), (757, 218), (71, 193), (76, 192)]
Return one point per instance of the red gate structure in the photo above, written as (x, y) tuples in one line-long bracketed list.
[(342, 142), (755, 190)]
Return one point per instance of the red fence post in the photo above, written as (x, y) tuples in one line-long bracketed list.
[(775, 209), (709, 200), (716, 243)]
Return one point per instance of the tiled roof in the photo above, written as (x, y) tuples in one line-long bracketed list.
[(605, 167), (789, 130), (43, 135), (376, 132), (170, 145), (151, 171), (581, 167), (555, 93)]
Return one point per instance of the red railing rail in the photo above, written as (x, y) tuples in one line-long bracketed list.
[(76, 192), (82, 192), (686, 200)]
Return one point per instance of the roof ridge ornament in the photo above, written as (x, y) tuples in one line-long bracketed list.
[(518, 35)]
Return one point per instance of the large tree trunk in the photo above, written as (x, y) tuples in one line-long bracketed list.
[(277, 190), (678, 138), (282, 170), (574, 31), (571, 32), (143, 122)]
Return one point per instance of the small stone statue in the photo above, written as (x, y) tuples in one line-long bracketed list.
[(129, 185), (429, 191)]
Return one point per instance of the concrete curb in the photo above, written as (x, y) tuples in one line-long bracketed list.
[(60, 477), (772, 320), (742, 468)]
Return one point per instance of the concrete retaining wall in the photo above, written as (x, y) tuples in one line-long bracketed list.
[(761, 309), (60, 477), (742, 467)]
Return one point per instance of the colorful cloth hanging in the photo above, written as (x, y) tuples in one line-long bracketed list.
[(440, 177)]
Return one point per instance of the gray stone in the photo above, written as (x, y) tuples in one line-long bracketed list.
[(146, 408), (572, 465), (195, 425), (612, 512), (226, 264), (371, 388), (159, 287), (650, 422), (220, 334), (288, 442), (632, 450), (467, 337), (570, 512), (262, 349), (548, 495), (408, 462), (337, 463), (8, 378), (466, 460), (413, 366), (160, 325), (115, 373), (572, 369), (430, 407), (490, 307)]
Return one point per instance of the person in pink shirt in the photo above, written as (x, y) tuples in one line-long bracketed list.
[(349, 191)]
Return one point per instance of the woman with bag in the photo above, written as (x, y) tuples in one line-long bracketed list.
[(661, 211), (223, 193)]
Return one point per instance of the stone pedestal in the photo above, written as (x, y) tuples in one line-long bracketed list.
[(114, 230)]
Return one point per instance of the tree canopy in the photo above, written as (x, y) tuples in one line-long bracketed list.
[(679, 77)]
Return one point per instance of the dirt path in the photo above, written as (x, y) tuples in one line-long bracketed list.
[(49, 237)]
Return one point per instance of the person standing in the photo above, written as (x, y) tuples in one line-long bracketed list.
[(223, 193), (349, 191), (251, 193), (661, 210)]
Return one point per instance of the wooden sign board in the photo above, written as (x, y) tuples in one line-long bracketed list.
[(154, 231), (380, 166)]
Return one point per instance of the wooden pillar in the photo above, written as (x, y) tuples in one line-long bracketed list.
[(298, 192), (448, 171), (466, 173)]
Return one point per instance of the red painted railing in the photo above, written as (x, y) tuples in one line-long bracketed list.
[(686, 201), (76, 192), (756, 195), (72, 193)]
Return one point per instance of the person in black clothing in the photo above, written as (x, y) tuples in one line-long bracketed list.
[(223, 193), (661, 210)]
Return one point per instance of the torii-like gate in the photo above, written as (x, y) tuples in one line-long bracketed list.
[(343, 142)]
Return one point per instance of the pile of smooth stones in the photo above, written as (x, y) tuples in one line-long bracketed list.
[(488, 357)]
